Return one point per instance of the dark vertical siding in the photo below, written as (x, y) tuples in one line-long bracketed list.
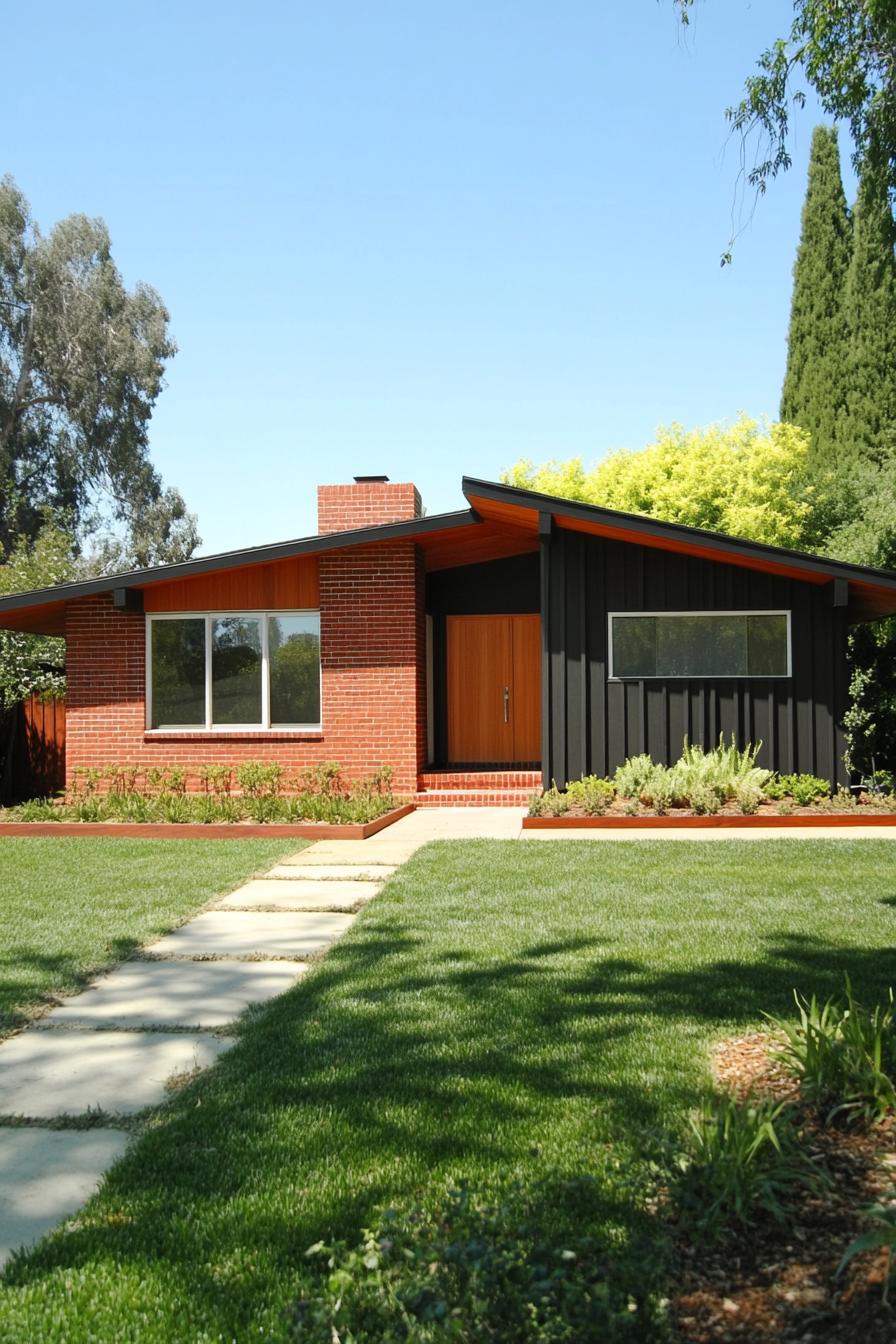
[(592, 724)]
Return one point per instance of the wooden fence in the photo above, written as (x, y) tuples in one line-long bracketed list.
[(36, 766)]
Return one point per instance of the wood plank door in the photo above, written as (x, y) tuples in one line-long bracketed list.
[(493, 689)]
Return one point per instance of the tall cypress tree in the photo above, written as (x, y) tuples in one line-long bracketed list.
[(815, 384), (868, 428)]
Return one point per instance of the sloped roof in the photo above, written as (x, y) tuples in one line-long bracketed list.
[(496, 511)]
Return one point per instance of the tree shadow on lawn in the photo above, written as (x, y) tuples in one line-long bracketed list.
[(389, 1072), (32, 980)]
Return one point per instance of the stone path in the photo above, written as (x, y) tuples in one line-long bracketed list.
[(118, 1046)]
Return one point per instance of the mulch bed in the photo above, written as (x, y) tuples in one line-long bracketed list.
[(777, 1282), (622, 808)]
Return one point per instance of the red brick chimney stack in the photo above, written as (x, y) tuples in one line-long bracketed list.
[(371, 500)]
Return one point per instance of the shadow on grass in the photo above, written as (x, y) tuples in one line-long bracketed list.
[(31, 980), (401, 1064)]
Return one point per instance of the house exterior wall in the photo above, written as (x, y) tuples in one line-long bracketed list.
[(591, 724), (371, 602)]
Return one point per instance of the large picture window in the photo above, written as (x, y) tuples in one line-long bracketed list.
[(699, 644), (252, 670)]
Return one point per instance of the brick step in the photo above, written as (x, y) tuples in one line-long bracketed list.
[(445, 780), (475, 797)]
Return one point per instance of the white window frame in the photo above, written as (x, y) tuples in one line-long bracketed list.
[(265, 726), (717, 676)]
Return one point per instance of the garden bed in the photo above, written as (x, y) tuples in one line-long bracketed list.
[(858, 816), (192, 830)]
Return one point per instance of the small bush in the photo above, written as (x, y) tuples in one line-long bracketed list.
[(506, 1265), (843, 1055), (259, 779), (634, 776), (704, 800), (553, 803), (662, 790), (593, 795), (748, 797), (740, 1161)]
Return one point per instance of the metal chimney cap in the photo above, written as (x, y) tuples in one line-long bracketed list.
[(371, 480)]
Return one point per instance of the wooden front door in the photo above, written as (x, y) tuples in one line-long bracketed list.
[(494, 689)]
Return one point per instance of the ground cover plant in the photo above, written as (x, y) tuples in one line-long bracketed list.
[(257, 791), (516, 1020), (703, 783), (74, 905)]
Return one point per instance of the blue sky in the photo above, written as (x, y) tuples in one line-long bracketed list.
[(412, 237)]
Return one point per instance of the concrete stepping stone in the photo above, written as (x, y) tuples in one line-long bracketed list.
[(300, 895), (360, 851), (337, 872), (46, 1175), (47, 1073), (239, 933), (176, 993)]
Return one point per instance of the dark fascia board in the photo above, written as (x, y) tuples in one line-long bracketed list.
[(259, 555), (697, 536)]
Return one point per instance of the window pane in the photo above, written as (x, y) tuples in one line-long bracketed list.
[(178, 673), (294, 651), (634, 646), (767, 639), (701, 646), (236, 670)]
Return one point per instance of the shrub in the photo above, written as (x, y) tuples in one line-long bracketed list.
[(216, 779), (593, 795), (509, 1265), (704, 800), (553, 803), (662, 790), (803, 789), (843, 1056), (748, 797), (633, 776), (723, 769), (739, 1160), (259, 779)]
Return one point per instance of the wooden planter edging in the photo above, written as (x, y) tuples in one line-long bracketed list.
[(700, 823), (195, 830)]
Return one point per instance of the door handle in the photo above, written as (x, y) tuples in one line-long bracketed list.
[(506, 704)]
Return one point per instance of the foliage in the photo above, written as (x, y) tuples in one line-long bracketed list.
[(633, 777), (748, 797), (844, 51), (883, 1235), (593, 795), (815, 383), (163, 793), (741, 1161), (803, 789), (869, 305), (479, 1265), (81, 365), (743, 479), (32, 664), (843, 1055)]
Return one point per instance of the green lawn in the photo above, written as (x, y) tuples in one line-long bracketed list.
[(71, 906), (528, 1008)]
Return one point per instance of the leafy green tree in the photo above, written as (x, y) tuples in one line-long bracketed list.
[(743, 479), (81, 365), (869, 419), (814, 395), (844, 50)]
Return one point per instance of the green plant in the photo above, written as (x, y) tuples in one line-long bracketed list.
[(704, 800), (748, 796), (216, 779), (173, 807), (633, 776), (553, 803), (36, 809), (593, 795), (265, 809), (661, 791), (740, 1160), (480, 1264), (722, 770), (883, 1235), (803, 789), (259, 779), (843, 1055), (784, 809)]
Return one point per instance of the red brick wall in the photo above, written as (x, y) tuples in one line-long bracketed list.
[(341, 507), (373, 697)]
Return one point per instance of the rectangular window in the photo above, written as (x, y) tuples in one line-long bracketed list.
[(701, 644), (247, 670)]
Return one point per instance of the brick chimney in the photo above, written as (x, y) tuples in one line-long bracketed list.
[(370, 501)]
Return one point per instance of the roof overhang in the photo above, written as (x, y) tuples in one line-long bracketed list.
[(871, 592)]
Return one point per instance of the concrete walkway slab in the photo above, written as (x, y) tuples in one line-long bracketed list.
[(46, 1176), (176, 993), (362, 851), (300, 895), (334, 872), (47, 1073), (237, 933)]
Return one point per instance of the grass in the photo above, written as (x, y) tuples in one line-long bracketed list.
[(73, 906), (501, 1009)]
